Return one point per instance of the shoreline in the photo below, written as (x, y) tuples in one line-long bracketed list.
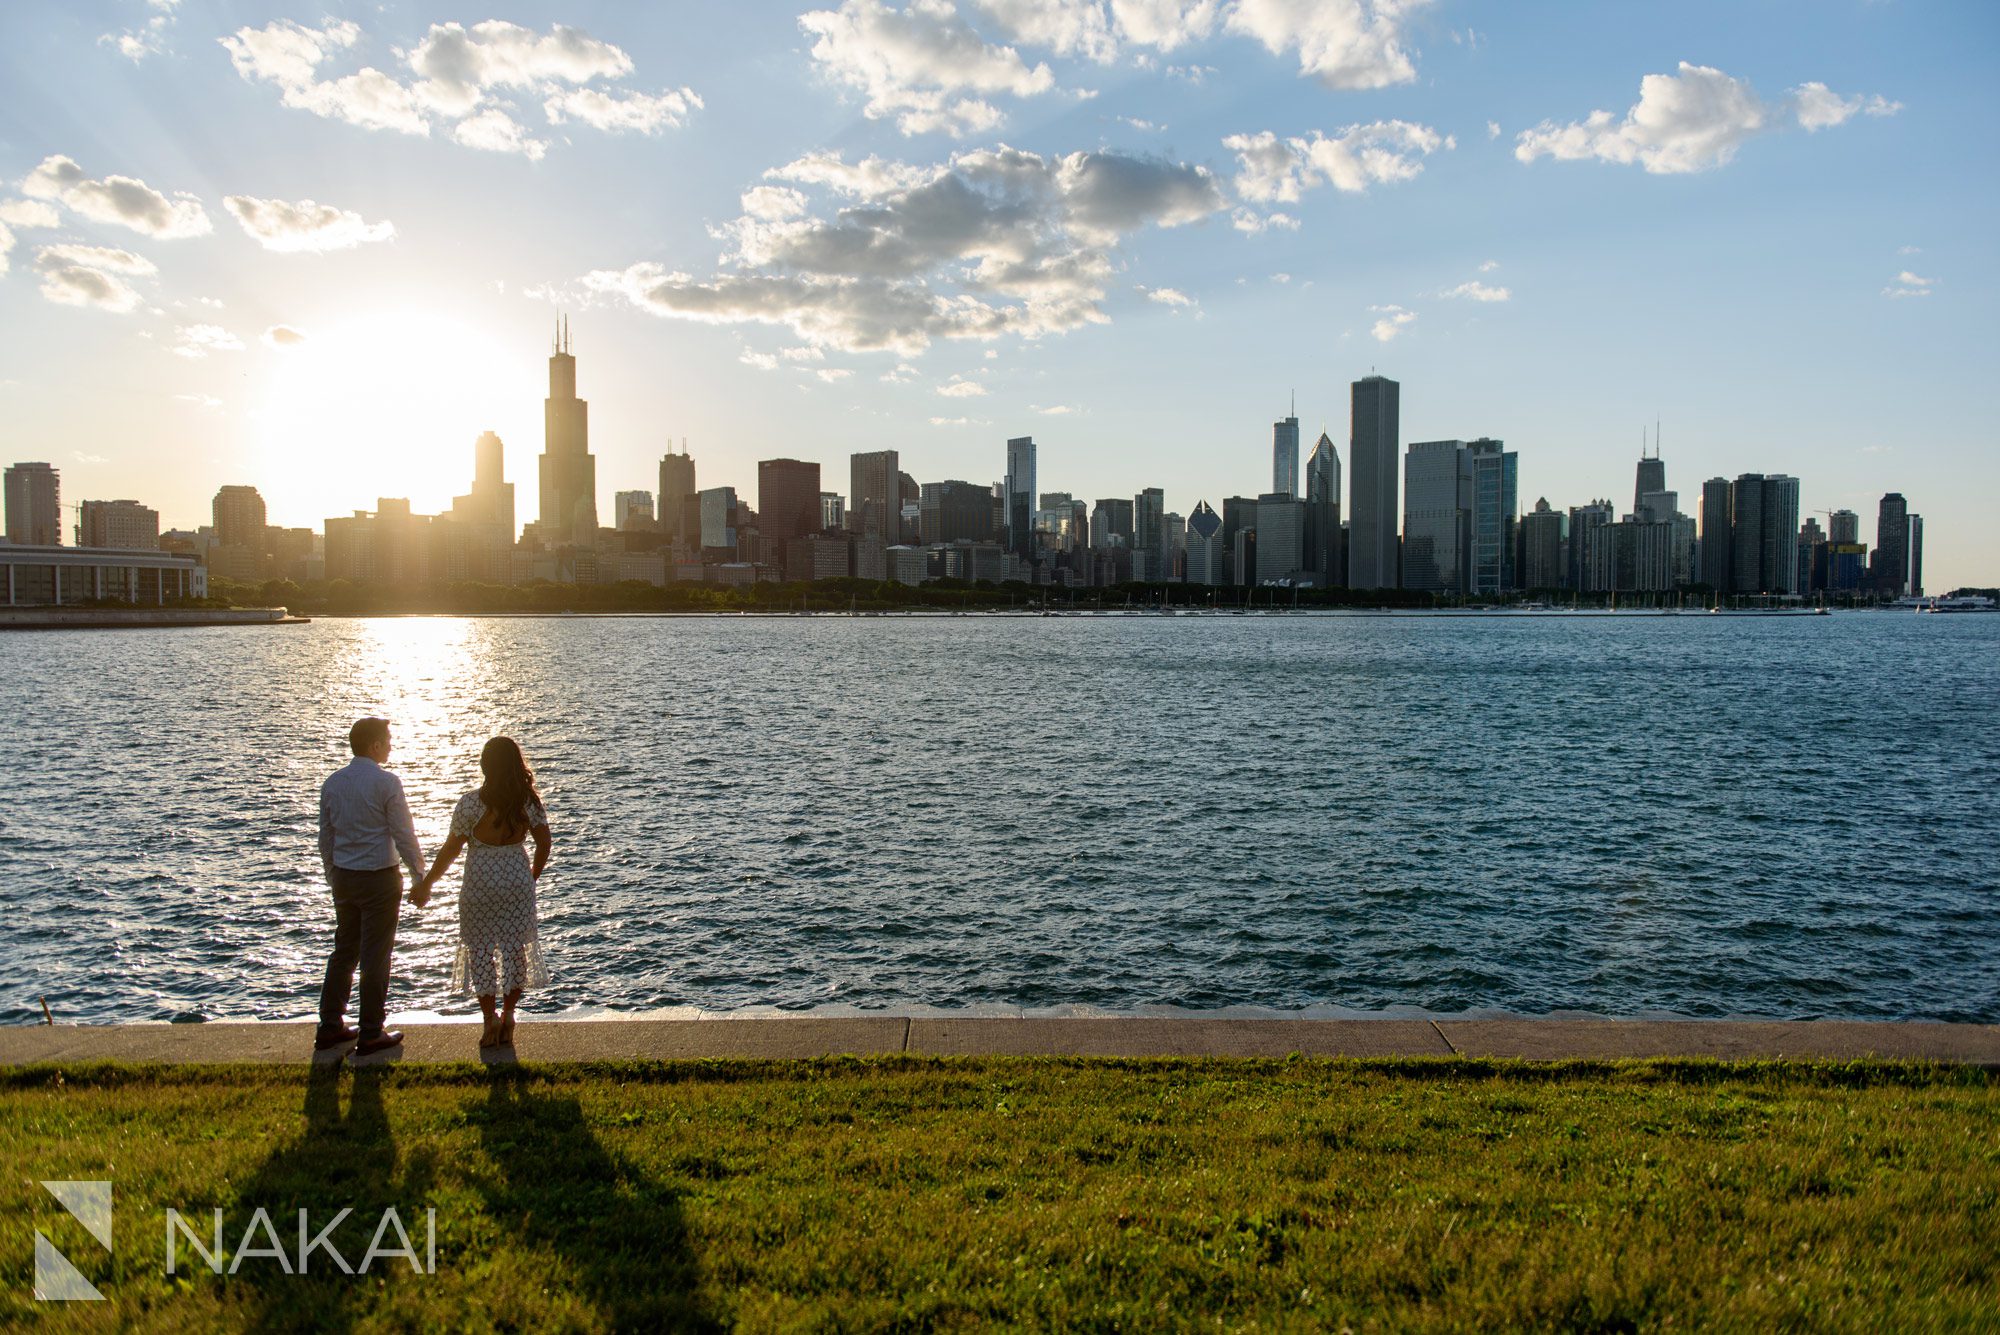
[(1128, 1036)]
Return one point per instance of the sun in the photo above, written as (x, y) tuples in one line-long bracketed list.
[(387, 405)]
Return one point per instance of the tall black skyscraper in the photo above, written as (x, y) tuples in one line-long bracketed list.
[(569, 471), (1373, 445), (1715, 534), (1891, 568), (1652, 477)]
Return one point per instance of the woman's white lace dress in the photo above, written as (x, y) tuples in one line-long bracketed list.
[(499, 948)]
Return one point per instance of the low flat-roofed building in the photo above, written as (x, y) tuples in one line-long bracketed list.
[(59, 576)]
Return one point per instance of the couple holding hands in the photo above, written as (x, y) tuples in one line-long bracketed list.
[(365, 826)]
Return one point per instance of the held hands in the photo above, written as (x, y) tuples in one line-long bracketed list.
[(420, 893)]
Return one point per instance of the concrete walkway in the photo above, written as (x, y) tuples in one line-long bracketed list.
[(809, 1036)]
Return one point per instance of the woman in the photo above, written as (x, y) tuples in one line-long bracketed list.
[(499, 951)]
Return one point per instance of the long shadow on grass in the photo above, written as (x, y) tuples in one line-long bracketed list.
[(342, 1159), (618, 1239)]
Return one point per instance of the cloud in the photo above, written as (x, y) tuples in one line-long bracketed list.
[(1065, 27), (1908, 284), (1478, 291), (1393, 322), (135, 44), (865, 179), (959, 421), (1141, 124), (807, 353), (206, 402), (1253, 223), (763, 361), (289, 55), (1488, 266), (1166, 25), (902, 375), (494, 131), (283, 336), (990, 243), (1689, 122), (922, 65), (28, 213), (462, 78), (91, 276), (1900, 250), (1493, 129), (6, 245), (643, 112), (1345, 44), (1271, 170), (1169, 296), (116, 199), (304, 226), (196, 341), (962, 389), (1819, 107), (833, 375)]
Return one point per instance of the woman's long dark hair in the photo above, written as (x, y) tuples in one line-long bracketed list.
[(509, 786)]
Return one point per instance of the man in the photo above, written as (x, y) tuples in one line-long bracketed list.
[(364, 825)]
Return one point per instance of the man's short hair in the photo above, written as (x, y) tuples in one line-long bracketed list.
[(367, 734)]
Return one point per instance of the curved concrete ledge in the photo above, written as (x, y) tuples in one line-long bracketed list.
[(817, 1036)]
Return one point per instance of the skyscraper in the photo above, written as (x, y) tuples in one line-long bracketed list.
[(1716, 542), (1020, 496), (1914, 586), (1843, 527), (1204, 545), (126, 525), (1495, 511), (568, 469), (631, 510), (1281, 537), (875, 495), (1891, 571), (1746, 533), (1764, 528), (1285, 457), (485, 515), (1779, 541), (1323, 546), (1372, 447), (1437, 515), (1584, 521), (1111, 523), (679, 500), (1542, 548), (787, 498), (239, 517), (34, 505), (954, 512), (491, 500), (1652, 477), (1149, 532)]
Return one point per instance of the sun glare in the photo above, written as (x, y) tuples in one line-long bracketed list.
[(385, 406)]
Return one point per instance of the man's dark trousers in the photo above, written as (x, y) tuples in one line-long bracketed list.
[(365, 907)]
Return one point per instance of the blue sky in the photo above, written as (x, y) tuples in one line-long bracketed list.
[(319, 250)]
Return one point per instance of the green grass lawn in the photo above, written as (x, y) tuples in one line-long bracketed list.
[(1097, 1194)]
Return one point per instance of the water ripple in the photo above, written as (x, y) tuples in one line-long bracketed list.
[(1315, 815)]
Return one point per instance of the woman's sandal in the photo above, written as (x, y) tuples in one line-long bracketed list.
[(489, 1035), (506, 1038)]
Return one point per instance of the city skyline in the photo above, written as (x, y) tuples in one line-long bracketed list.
[(1736, 280)]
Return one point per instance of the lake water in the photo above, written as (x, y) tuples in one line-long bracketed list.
[(1784, 817)]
